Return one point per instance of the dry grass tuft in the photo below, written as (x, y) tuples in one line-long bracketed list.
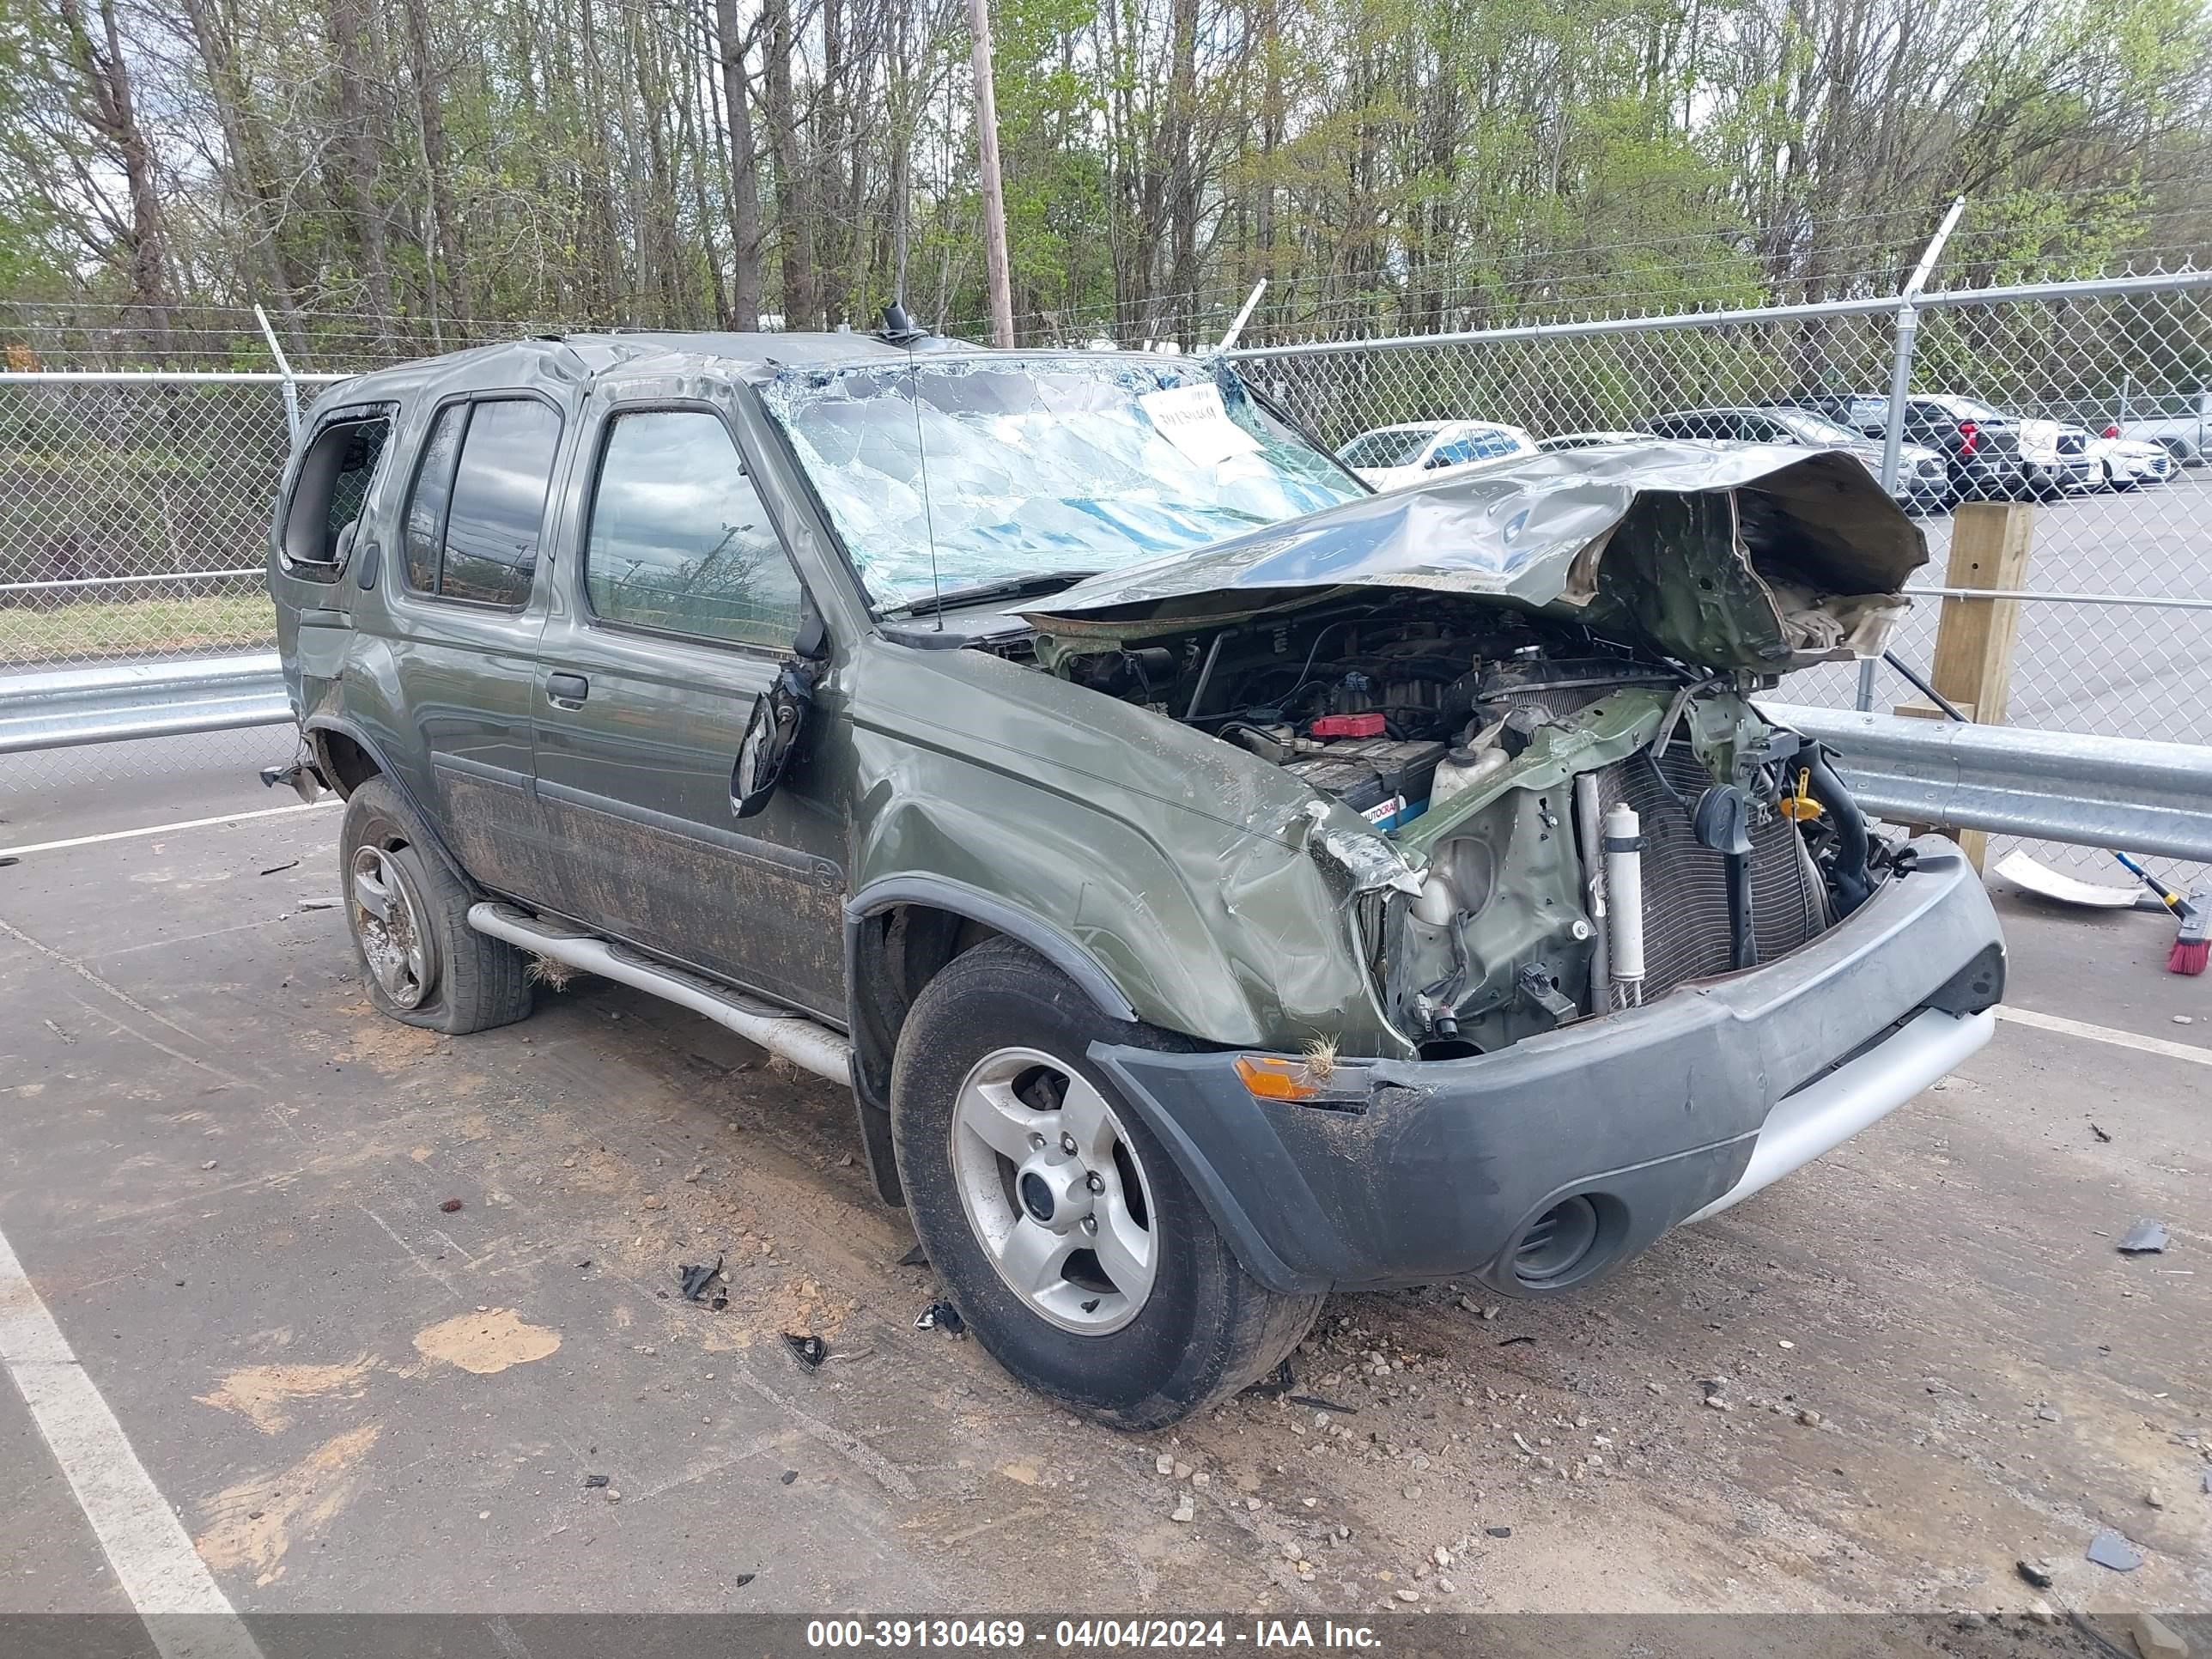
[(552, 975)]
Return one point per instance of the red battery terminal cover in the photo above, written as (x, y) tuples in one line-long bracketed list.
[(1347, 726)]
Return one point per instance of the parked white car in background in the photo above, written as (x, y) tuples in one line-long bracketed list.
[(1590, 439), (2055, 458), (1394, 457), (2128, 462)]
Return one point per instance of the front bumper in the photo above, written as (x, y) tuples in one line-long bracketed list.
[(1626, 1125)]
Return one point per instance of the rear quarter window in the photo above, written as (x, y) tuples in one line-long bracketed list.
[(477, 508), (330, 490)]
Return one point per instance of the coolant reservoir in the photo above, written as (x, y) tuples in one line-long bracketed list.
[(1459, 768)]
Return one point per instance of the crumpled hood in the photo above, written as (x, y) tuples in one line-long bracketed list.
[(1733, 556)]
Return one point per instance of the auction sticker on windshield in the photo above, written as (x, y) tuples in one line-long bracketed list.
[(1196, 421)]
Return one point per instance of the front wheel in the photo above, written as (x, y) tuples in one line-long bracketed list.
[(1063, 1232)]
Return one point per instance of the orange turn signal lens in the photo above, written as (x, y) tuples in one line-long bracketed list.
[(1270, 1077)]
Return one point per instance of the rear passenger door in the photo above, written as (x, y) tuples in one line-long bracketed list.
[(459, 591), (676, 607)]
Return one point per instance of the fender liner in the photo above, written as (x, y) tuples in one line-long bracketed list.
[(353, 734), (870, 1065)]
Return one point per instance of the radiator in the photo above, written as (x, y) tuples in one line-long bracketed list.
[(1686, 912)]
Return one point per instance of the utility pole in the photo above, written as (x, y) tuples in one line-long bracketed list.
[(994, 200)]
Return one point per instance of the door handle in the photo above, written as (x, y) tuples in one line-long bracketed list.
[(566, 690)]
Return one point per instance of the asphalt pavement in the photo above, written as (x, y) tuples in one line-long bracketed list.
[(367, 1311)]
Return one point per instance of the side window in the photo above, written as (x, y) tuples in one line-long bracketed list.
[(328, 493), (1453, 451), (434, 490), (479, 501), (679, 542), (1489, 443)]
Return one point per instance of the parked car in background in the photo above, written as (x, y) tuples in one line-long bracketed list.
[(2055, 458), (2127, 463), (1393, 457), (2183, 431), (1980, 445), (1923, 482), (1216, 885), (1590, 439)]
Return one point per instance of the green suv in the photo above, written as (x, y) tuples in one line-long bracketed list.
[(1217, 883)]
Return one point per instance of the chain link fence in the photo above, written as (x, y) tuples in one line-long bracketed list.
[(134, 506), (134, 518)]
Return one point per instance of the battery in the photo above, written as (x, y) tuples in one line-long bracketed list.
[(1368, 773)]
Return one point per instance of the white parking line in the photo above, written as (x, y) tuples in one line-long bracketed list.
[(164, 828), (145, 1543), (2142, 1045)]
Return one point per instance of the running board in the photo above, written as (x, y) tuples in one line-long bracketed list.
[(804, 1043)]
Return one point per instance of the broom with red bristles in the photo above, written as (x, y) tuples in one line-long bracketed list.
[(2193, 943)]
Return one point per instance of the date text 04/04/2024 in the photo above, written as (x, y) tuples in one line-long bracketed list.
[(1082, 1635)]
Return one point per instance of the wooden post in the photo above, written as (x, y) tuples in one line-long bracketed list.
[(1974, 638), (995, 262)]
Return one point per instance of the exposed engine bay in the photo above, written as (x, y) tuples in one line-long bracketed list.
[(1587, 825)]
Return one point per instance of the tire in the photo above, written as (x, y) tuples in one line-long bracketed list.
[(998, 1023), (421, 962)]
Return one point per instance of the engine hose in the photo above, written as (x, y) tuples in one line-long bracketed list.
[(1851, 881)]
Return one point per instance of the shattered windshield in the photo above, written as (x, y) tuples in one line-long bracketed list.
[(1039, 464)]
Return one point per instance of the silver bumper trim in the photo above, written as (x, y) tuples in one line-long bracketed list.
[(1824, 1113)]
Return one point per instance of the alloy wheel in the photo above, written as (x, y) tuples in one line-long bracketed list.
[(1054, 1191)]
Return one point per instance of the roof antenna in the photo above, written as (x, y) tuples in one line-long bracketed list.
[(898, 329), (921, 464)]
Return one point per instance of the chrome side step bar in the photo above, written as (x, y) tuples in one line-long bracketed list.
[(806, 1043)]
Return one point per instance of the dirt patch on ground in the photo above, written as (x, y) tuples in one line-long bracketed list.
[(487, 1342), (257, 1522), (264, 1394)]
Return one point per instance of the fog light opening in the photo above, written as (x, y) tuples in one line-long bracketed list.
[(1556, 1242)]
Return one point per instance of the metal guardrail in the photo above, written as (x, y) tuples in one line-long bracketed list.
[(63, 708), (2125, 792), (2140, 796)]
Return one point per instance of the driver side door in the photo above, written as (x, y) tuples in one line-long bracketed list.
[(675, 606)]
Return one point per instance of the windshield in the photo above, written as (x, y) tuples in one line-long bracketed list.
[(1397, 445), (1815, 428), (1039, 464)]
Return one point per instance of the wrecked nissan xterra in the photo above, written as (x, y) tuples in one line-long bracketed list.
[(1218, 884)]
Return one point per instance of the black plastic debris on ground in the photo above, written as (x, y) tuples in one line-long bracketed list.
[(2146, 1237), (279, 869), (1511, 1340), (915, 1257), (694, 1280), (1499, 1532), (1276, 1384), (2109, 1549), (808, 1350), (742, 1580), (788, 1476), (2036, 1570), (1315, 1402), (593, 1482), (940, 1317)]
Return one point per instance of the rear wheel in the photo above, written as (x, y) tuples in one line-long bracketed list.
[(409, 914), (1062, 1228)]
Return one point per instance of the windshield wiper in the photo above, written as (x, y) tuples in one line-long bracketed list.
[(1001, 587)]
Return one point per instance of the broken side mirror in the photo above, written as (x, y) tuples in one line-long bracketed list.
[(772, 736)]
